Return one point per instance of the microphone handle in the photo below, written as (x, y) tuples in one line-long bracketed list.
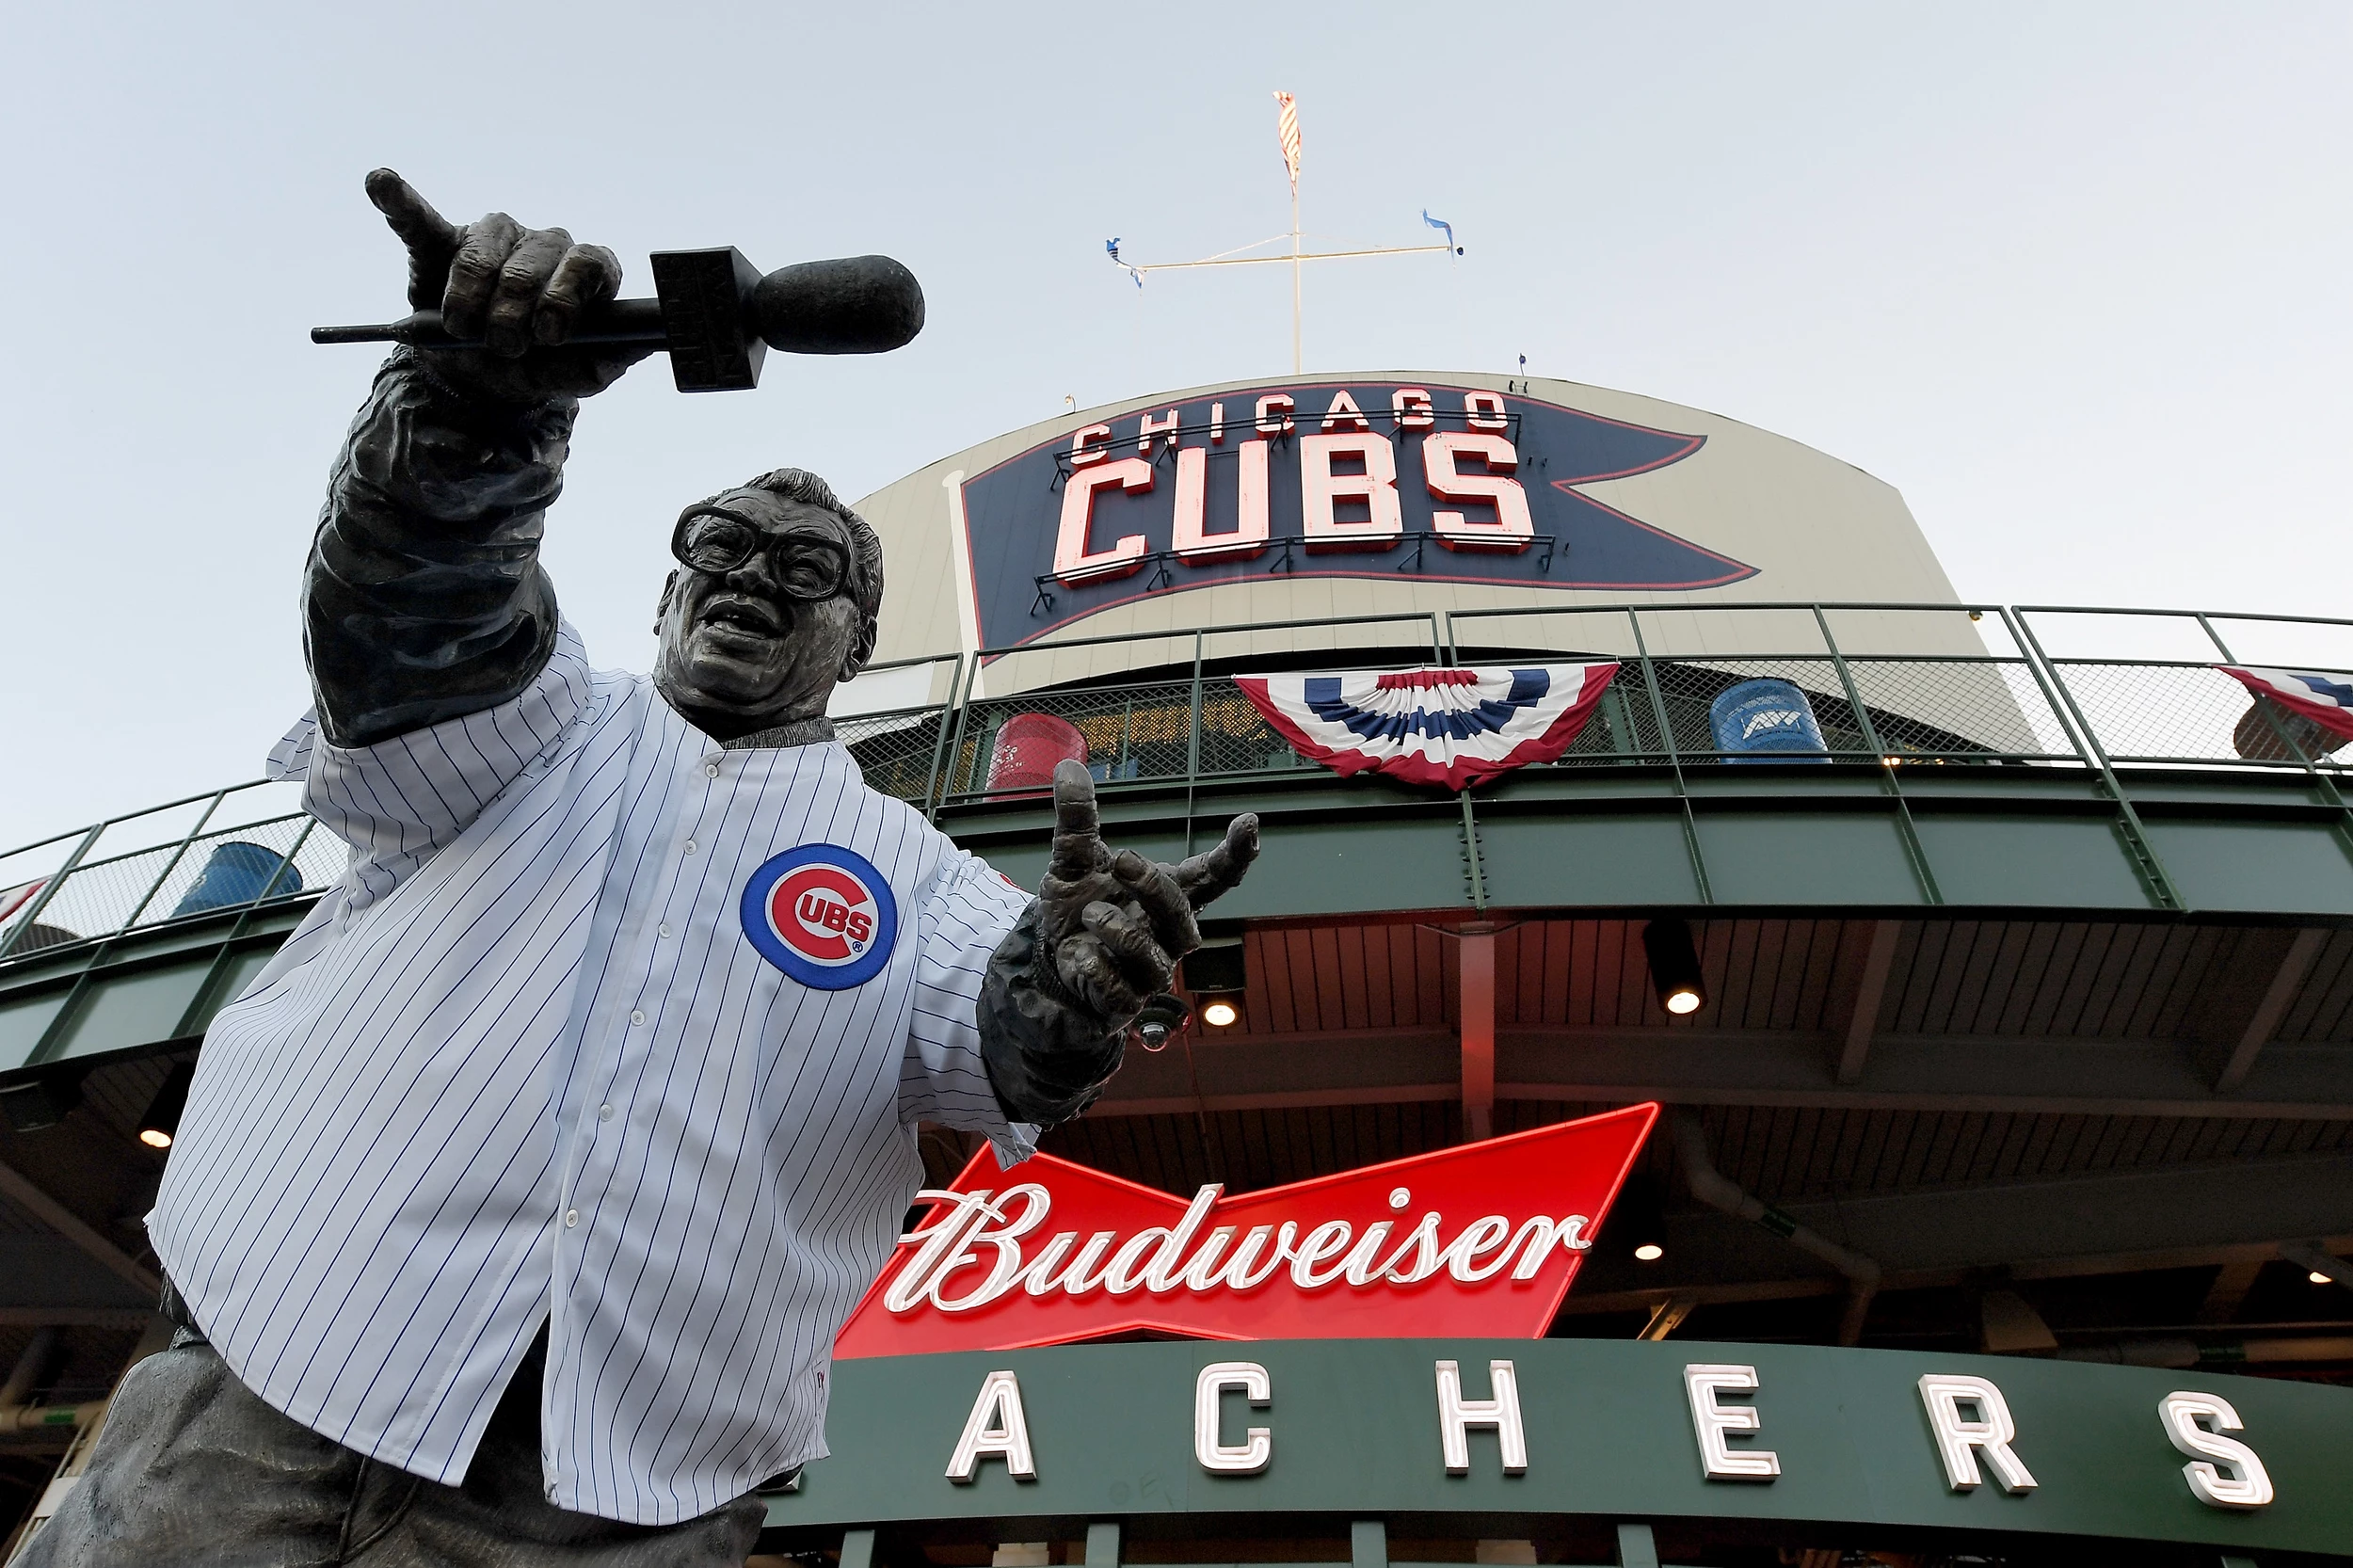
[(618, 321)]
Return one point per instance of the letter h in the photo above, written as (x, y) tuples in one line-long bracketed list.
[(1457, 1416)]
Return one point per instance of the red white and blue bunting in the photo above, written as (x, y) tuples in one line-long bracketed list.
[(1453, 727), (2327, 700)]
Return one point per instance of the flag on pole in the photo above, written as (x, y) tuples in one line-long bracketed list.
[(1452, 727), (1286, 128), (2327, 700), (1112, 245)]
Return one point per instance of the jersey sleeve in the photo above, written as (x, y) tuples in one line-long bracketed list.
[(423, 599), (397, 801), (964, 913)]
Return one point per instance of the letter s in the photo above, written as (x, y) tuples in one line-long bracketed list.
[(1513, 529)]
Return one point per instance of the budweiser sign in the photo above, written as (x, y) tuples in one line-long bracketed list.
[(1481, 1240)]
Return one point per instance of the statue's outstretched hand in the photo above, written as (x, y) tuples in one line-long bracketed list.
[(521, 290), (1113, 924)]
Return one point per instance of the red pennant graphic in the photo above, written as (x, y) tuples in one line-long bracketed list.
[(1483, 1239)]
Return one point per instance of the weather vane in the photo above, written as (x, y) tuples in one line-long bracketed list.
[(1287, 131)]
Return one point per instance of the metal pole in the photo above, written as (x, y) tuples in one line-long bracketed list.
[(2272, 717), (934, 785), (2262, 703), (1471, 865), (201, 1006), (2042, 683), (955, 744), (1193, 742), (49, 889), (177, 855), (1675, 758), (2136, 838), (1297, 267), (1913, 850)]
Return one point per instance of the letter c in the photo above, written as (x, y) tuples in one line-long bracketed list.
[(1074, 562), (1257, 1451)]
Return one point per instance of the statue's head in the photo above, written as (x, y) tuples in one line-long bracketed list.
[(772, 605)]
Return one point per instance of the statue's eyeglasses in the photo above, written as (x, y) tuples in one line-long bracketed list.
[(805, 566)]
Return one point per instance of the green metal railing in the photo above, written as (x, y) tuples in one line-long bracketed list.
[(2019, 688)]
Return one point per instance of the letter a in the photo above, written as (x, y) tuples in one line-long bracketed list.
[(997, 1426)]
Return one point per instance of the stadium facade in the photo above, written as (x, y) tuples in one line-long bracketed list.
[(1936, 1019)]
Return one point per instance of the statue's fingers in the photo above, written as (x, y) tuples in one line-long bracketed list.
[(1163, 902), (473, 272), (588, 275), (1217, 871), (423, 231), (1086, 970), (1078, 831), (530, 267), (1144, 964), (431, 238)]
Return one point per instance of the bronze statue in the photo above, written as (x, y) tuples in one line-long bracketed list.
[(517, 1201)]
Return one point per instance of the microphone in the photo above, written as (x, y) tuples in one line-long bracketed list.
[(717, 317)]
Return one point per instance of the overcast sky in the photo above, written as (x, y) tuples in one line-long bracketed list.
[(2074, 278)]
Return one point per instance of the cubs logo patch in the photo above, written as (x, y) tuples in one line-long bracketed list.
[(821, 914)]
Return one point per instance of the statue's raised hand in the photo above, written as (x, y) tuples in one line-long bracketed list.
[(1113, 924), (520, 290)]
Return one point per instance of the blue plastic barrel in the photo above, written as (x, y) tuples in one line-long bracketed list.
[(235, 873), (1764, 720)]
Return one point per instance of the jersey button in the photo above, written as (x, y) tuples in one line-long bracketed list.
[(662, 930), (636, 1018), (571, 1218), (604, 1113), (690, 846), (711, 770)]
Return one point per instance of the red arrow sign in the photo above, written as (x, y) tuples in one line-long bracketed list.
[(1481, 1240)]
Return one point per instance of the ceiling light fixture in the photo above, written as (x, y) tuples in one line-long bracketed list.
[(161, 1124), (1675, 967), (1217, 974), (1636, 1225)]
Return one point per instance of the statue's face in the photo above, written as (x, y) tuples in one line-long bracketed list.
[(739, 653)]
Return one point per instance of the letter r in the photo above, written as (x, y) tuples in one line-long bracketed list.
[(1960, 1439)]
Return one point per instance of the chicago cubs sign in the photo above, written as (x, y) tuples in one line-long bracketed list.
[(821, 914), (1320, 479), (1480, 1239)]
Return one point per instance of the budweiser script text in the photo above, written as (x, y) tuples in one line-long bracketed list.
[(971, 1252), (1480, 1238)]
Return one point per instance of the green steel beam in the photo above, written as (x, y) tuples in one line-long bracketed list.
[(1797, 1068), (1991, 842)]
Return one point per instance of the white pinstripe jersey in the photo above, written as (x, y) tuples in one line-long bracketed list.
[(522, 1062)]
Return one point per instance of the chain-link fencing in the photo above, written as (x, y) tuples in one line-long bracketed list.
[(1845, 682)]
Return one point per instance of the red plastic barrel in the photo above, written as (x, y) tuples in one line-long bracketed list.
[(1028, 746)]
